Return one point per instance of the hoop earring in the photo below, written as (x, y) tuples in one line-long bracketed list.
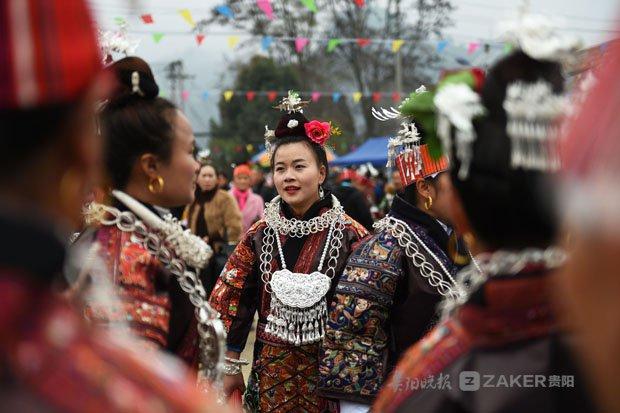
[(156, 185), (428, 203), (321, 192)]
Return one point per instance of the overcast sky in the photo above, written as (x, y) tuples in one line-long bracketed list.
[(592, 20)]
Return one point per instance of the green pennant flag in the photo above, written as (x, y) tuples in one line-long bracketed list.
[(332, 44), (157, 37), (310, 4), (507, 48), (120, 21)]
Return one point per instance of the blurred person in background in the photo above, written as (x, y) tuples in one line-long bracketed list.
[(388, 198), (215, 216), (397, 182), (260, 184), (589, 287), (505, 327), (251, 205), (222, 181), (51, 360), (353, 201)]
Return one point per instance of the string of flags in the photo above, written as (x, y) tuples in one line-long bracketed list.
[(331, 44), (300, 43), (226, 11), (272, 95)]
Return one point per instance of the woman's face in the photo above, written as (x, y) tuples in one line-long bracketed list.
[(297, 176), (179, 173), (242, 182), (207, 178)]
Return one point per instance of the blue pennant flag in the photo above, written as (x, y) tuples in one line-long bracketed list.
[(336, 96), (441, 45), (224, 10), (266, 43), (205, 95)]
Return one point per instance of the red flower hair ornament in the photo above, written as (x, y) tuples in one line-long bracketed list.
[(318, 132)]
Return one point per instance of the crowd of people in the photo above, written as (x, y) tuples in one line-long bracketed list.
[(480, 277)]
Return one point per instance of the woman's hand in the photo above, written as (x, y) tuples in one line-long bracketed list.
[(232, 383)]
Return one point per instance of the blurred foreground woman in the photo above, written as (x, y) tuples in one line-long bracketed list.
[(501, 347), (50, 361), (591, 202)]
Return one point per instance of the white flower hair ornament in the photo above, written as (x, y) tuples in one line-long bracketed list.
[(292, 123), (457, 105), (539, 38)]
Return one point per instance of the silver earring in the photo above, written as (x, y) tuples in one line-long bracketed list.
[(321, 192)]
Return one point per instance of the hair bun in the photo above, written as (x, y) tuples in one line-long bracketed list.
[(135, 77), (140, 83), (291, 124)]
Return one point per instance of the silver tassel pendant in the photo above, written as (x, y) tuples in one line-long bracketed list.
[(297, 326)]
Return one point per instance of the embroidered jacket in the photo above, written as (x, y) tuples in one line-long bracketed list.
[(502, 351), (284, 376), (150, 301), (382, 305)]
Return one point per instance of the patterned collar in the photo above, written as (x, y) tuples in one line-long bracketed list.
[(410, 213)]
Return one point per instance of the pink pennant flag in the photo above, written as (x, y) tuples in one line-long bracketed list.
[(185, 95), (472, 47), (265, 6), (316, 96), (300, 43)]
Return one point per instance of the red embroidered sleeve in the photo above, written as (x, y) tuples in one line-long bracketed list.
[(233, 281)]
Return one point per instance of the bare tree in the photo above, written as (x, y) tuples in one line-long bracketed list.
[(353, 65)]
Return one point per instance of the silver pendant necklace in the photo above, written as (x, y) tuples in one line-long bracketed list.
[(298, 310)]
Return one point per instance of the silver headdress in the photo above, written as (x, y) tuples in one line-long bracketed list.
[(457, 105), (292, 103), (117, 42), (539, 38), (533, 110), (270, 136), (407, 138), (407, 141)]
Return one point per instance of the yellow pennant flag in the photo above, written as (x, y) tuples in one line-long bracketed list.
[(357, 96), (397, 44), (233, 41), (187, 16), (228, 94)]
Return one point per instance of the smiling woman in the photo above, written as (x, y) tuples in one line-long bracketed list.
[(286, 267)]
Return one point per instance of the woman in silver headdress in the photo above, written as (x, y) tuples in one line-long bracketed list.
[(285, 268)]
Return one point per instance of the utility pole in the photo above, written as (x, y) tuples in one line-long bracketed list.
[(175, 73), (399, 72)]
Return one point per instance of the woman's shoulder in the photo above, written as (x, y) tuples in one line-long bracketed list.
[(355, 227)]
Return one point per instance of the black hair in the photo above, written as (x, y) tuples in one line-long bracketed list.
[(208, 163), (410, 193), (27, 131), (318, 150), (135, 122), (508, 208)]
